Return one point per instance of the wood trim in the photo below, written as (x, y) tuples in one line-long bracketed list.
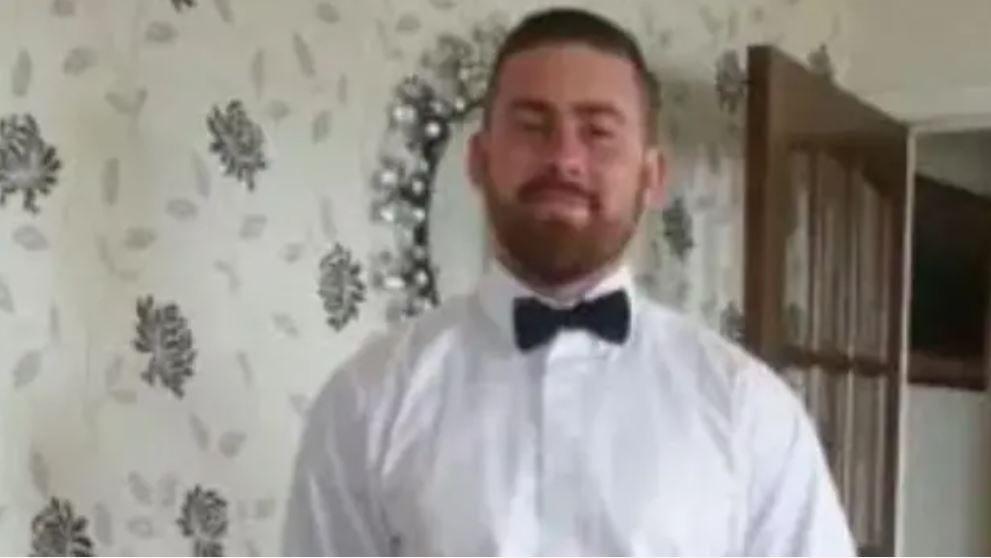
[(758, 243), (933, 370), (896, 435), (835, 362)]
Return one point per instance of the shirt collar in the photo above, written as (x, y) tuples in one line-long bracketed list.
[(499, 288)]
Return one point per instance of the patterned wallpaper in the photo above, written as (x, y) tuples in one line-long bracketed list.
[(191, 233)]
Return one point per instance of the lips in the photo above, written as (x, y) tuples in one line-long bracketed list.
[(557, 193)]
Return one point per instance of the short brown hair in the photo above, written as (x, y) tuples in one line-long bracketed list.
[(568, 25)]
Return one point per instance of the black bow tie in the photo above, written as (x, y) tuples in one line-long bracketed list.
[(536, 323)]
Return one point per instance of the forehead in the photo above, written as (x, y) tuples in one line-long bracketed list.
[(569, 73)]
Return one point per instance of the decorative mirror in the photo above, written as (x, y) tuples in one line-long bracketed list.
[(421, 188)]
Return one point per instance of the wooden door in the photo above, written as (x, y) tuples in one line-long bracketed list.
[(826, 204)]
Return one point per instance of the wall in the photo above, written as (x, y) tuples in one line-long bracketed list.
[(928, 61), (921, 60), (961, 158), (169, 423), (948, 487), (948, 463)]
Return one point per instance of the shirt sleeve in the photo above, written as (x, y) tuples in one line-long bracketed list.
[(793, 509), (333, 508)]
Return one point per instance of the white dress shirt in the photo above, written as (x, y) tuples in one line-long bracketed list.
[(443, 438)]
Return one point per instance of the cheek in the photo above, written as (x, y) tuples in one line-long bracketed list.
[(620, 187), (510, 165)]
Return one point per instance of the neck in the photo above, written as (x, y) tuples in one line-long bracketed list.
[(563, 293)]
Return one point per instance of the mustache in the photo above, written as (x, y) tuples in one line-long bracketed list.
[(538, 185)]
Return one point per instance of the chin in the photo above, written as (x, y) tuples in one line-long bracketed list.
[(577, 220)]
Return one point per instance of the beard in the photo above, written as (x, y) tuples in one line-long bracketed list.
[(553, 250)]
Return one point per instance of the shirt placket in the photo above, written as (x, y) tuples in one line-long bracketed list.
[(560, 504)]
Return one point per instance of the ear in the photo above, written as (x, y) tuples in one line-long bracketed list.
[(655, 176), (477, 158)]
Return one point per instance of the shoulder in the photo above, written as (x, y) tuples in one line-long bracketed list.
[(721, 368), (382, 364)]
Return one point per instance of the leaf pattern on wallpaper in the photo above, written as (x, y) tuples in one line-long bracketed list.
[(103, 524), (286, 324), (28, 165), (161, 32), (181, 209), (733, 24), (678, 228), (6, 299), (277, 110), (26, 369), (179, 5), (327, 224), (127, 104), (238, 141), (64, 8), (304, 56), (265, 508), (201, 434), (292, 252), (230, 273), (139, 238), (342, 90), (204, 520), (40, 476), (78, 60), (341, 286), (110, 181), (20, 75), (57, 531), (442, 4), (114, 371), (168, 487), (712, 23), (252, 226), (201, 174), (141, 527), (327, 13), (140, 489), (258, 72), (320, 128), (54, 325), (731, 81), (247, 372), (30, 238), (124, 396), (225, 11), (408, 24), (164, 334), (230, 443)]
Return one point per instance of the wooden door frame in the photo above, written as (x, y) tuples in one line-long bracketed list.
[(763, 274)]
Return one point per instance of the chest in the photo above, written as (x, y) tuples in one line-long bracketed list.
[(570, 455)]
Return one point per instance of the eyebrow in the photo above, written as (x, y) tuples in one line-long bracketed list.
[(584, 108)]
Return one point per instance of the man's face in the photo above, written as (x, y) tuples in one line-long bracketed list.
[(564, 163)]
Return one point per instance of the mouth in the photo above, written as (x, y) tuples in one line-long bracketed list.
[(559, 203), (557, 196)]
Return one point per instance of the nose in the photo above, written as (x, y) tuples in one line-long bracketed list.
[(567, 153)]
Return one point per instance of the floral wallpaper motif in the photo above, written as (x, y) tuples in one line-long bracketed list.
[(164, 333), (204, 521), (238, 142), (342, 288), (58, 531), (731, 81), (28, 166), (202, 217)]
